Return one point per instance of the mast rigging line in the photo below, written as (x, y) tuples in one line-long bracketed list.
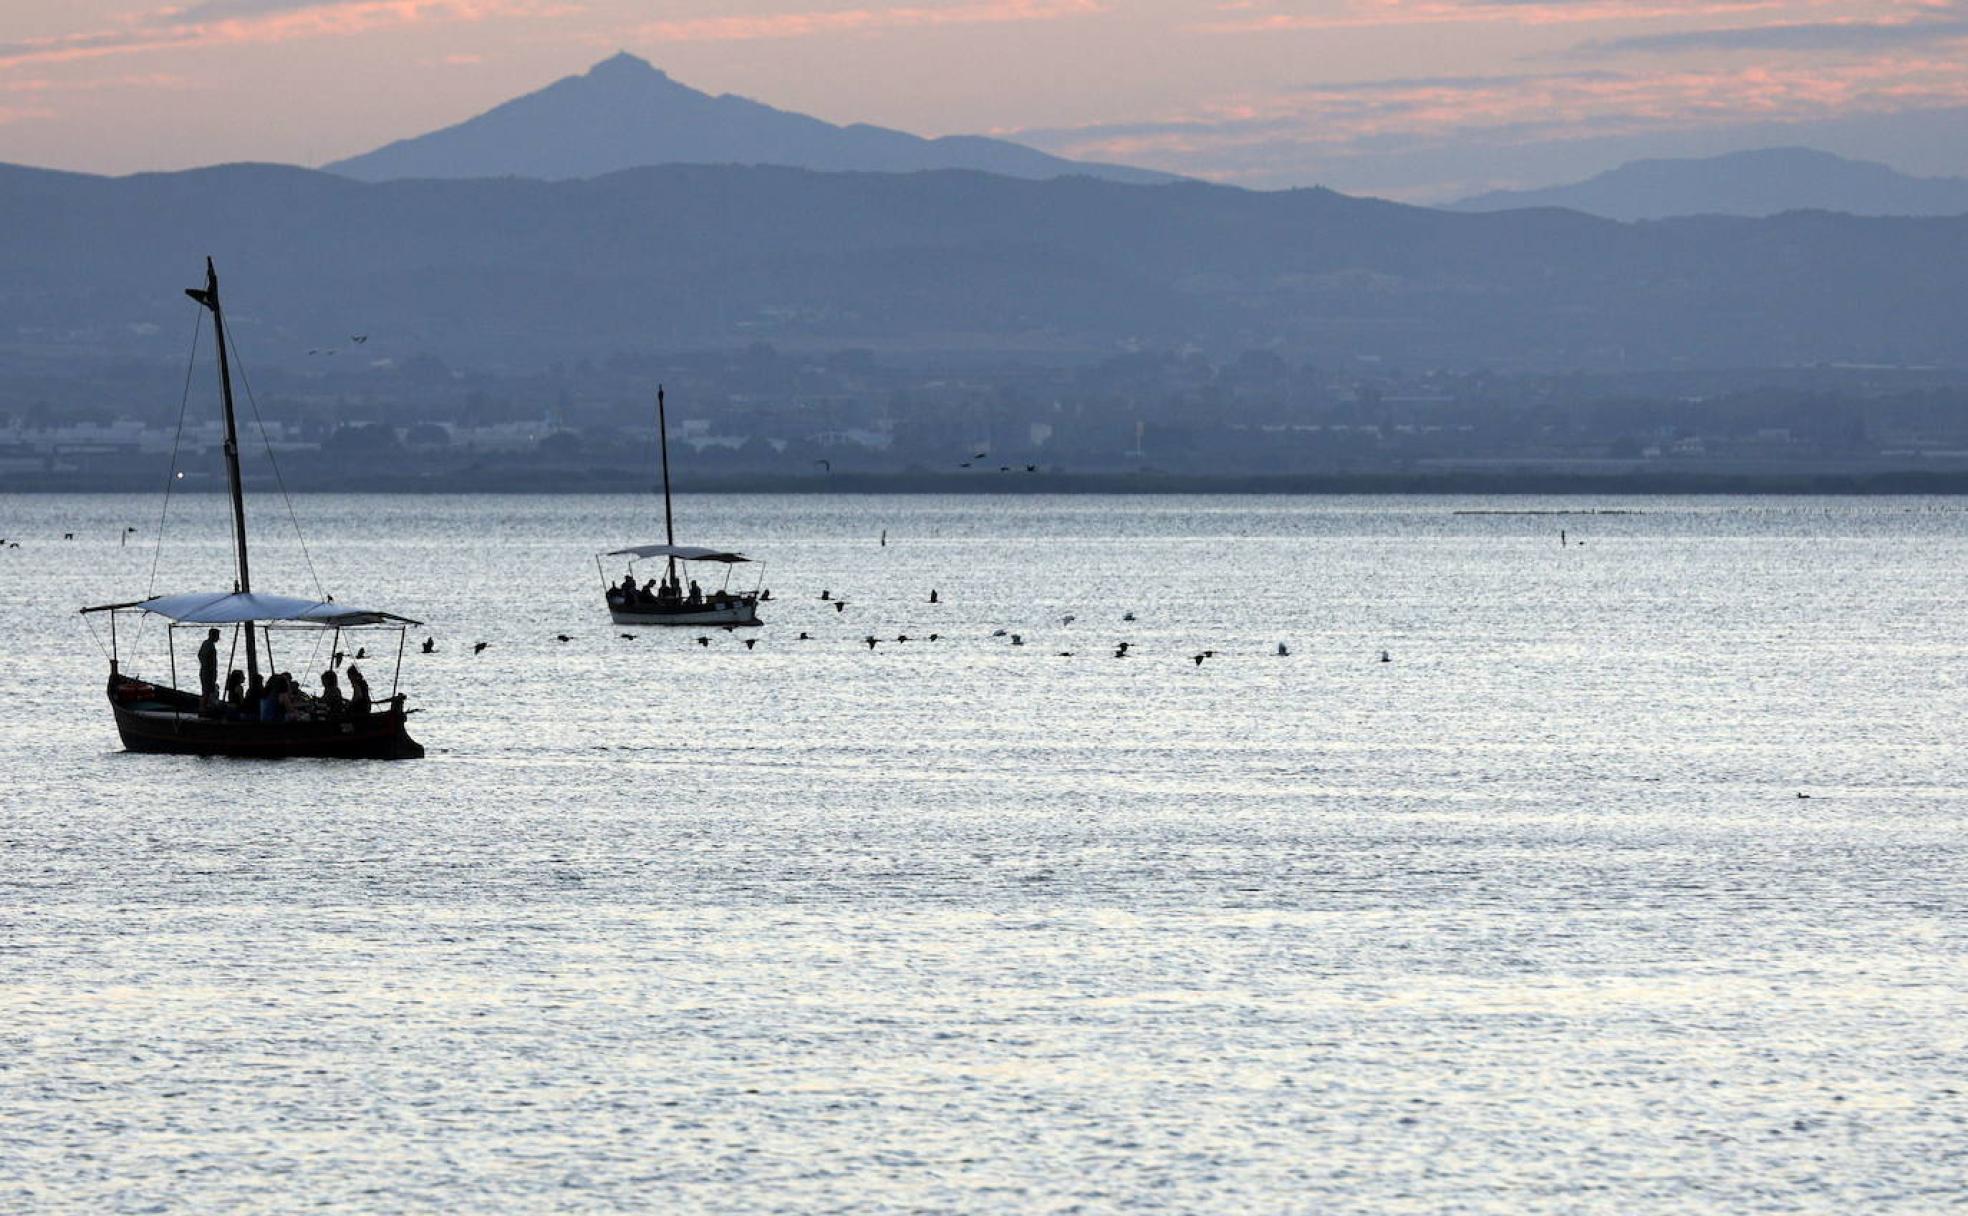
[(184, 401), (279, 481)]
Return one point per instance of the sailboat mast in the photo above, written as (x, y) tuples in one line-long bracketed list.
[(663, 442), (209, 297)]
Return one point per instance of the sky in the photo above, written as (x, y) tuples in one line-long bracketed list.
[(1415, 99)]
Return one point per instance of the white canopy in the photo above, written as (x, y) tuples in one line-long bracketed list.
[(232, 607), (683, 553)]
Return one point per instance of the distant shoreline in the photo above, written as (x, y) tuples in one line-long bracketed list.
[(1444, 482)]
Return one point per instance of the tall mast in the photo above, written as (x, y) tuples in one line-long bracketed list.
[(209, 297), (663, 438)]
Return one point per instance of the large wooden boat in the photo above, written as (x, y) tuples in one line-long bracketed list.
[(674, 597), (259, 713)]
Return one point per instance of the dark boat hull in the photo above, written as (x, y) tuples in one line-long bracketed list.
[(163, 720), (682, 612)]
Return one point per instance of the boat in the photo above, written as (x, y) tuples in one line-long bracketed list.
[(674, 597), (155, 715)]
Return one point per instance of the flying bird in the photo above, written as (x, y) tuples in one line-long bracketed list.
[(1199, 659), (870, 640), (358, 339), (1068, 619)]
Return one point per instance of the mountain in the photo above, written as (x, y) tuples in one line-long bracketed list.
[(517, 273), (1768, 181), (624, 114)]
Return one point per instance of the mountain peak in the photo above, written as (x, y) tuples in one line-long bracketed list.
[(624, 66), (624, 113)]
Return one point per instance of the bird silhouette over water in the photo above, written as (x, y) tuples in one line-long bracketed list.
[(935, 637), (901, 637), (1283, 650), (430, 645), (826, 594), (805, 637), (871, 639), (703, 641), (1017, 639), (932, 596), (626, 637), (1068, 619), (1385, 657), (751, 642), (479, 647), (1127, 616), (335, 660), (361, 652), (1199, 659), (840, 605), (68, 536), (563, 637)]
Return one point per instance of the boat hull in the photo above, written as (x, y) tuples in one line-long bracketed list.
[(168, 721), (738, 613)]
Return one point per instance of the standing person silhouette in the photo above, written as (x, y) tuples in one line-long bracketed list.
[(208, 671)]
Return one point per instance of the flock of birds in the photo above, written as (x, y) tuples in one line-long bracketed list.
[(1121, 650)]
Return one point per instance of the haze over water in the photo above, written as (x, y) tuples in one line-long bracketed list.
[(1529, 918)]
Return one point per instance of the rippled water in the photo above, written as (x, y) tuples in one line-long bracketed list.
[(1530, 918)]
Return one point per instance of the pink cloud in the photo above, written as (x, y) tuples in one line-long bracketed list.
[(235, 24), (1217, 141), (1251, 18), (861, 20)]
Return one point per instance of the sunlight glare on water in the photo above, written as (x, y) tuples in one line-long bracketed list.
[(1529, 918)]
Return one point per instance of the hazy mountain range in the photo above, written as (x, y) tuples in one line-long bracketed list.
[(1763, 182), (625, 114), (508, 272)]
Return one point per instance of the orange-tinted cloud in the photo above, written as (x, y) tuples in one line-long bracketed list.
[(242, 22), (863, 20)]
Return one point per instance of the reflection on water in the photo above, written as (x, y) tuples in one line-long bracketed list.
[(1529, 918)]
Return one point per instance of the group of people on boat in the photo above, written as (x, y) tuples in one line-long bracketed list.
[(667, 592), (280, 697)]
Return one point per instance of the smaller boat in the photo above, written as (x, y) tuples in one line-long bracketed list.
[(674, 597)]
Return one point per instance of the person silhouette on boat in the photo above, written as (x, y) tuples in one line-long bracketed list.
[(628, 590), (235, 694), (208, 671), (271, 707), (696, 592), (331, 693), (358, 692)]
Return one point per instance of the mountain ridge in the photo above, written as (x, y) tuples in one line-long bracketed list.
[(625, 113), (1756, 183), (520, 272)]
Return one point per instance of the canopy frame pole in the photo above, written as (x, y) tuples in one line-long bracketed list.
[(209, 297), (397, 675), (171, 648), (112, 643)]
